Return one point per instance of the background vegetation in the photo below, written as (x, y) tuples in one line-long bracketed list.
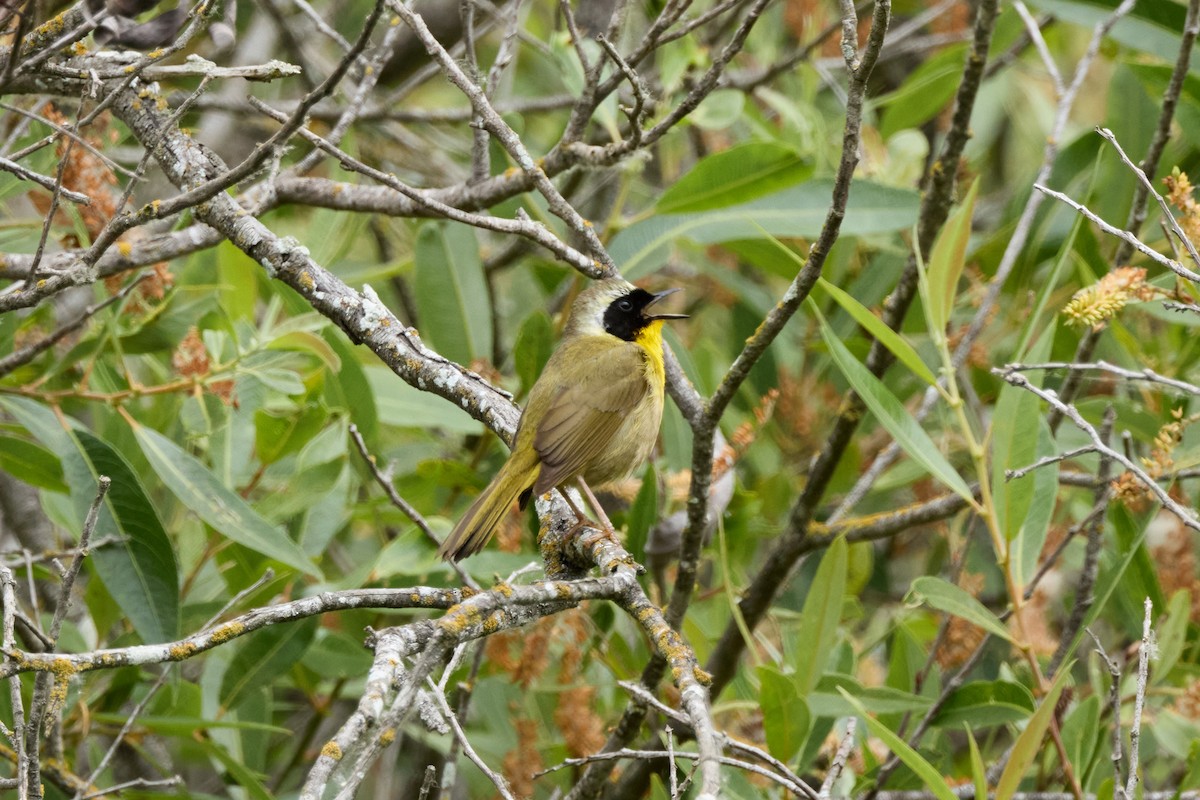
[(272, 276)]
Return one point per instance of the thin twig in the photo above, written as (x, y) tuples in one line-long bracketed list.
[(839, 760), (428, 783), (1034, 31), (641, 694), (1186, 515), (1045, 461), (1147, 649), (1145, 374), (135, 783), (103, 483), (1168, 218), (448, 713), (42, 180), (1114, 701), (115, 745), (1170, 263), (652, 755), (399, 502)]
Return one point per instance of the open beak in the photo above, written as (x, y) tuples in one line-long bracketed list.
[(659, 296)]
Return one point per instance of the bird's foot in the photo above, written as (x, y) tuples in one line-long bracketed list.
[(583, 522)]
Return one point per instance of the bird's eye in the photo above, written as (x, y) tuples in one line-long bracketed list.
[(625, 305)]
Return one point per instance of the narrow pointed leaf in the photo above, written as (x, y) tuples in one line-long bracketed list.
[(35, 465), (893, 341), (978, 771), (1023, 505), (798, 211), (945, 596), (785, 714), (139, 568), (137, 565), (198, 489), (452, 292), (892, 414), (263, 657), (820, 617), (736, 175), (928, 774), (1029, 743), (946, 260)]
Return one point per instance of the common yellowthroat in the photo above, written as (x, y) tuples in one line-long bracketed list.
[(592, 413)]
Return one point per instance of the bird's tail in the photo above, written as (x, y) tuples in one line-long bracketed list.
[(476, 526)]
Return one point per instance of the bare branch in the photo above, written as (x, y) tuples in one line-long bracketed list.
[(19, 661), (1126, 236), (1148, 649), (1148, 187), (1186, 515), (461, 736), (399, 502), (839, 759), (1034, 31), (43, 181)]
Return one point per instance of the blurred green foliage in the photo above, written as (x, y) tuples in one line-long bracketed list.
[(220, 404)]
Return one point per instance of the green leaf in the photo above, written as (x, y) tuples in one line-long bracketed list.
[(139, 571), (826, 699), (945, 596), (452, 293), (1172, 634), (535, 343), (1141, 579), (946, 262), (1029, 743), (1191, 778), (44, 426), (785, 714), (281, 380), (32, 463), (237, 280), (277, 435), (819, 619), (930, 776), (978, 771), (643, 513), (891, 413), (719, 110), (1174, 734), (308, 342), (986, 703), (263, 658), (1111, 579), (798, 212), (403, 406), (893, 341), (924, 92), (1152, 26), (139, 568), (1080, 732), (1024, 505), (186, 726), (352, 390), (238, 774), (736, 175), (198, 489), (336, 655)]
